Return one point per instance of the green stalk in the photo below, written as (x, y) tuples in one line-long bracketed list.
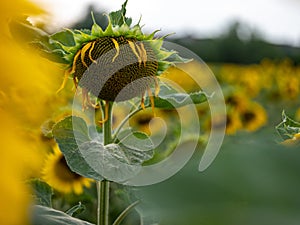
[(125, 213), (124, 121), (103, 186)]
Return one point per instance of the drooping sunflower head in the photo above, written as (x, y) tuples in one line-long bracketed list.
[(115, 64)]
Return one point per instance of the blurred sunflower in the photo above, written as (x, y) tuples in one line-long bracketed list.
[(144, 120), (288, 86), (58, 175), (253, 117), (182, 78), (13, 193), (237, 99), (26, 97), (233, 122), (249, 79), (292, 142)]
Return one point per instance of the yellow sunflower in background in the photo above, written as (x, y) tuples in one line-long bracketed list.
[(58, 175), (253, 117), (233, 122), (237, 99), (288, 86), (145, 121), (249, 79), (182, 78), (292, 142)]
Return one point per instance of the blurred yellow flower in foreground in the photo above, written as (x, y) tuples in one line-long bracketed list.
[(13, 194), (58, 175), (27, 98)]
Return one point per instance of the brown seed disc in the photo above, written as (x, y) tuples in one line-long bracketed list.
[(119, 73)]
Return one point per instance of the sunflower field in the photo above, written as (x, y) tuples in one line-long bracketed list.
[(70, 154)]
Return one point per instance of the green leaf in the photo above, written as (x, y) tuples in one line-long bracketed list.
[(47, 216), (42, 191), (64, 37), (75, 210), (108, 161), (118, 18), (52, 51), (69, 133), (169, 98), (137, 146), (177, 100), (288, 127), (90, 158)]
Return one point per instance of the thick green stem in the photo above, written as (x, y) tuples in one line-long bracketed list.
[(103, 186), (107, 125)]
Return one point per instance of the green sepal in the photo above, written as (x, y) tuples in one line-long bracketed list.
[(64, 37)]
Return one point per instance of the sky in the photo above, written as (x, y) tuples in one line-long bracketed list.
[(277, 21)]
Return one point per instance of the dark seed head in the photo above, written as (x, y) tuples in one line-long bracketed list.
[(116, 68)]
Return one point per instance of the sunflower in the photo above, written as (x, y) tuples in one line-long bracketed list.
[(294, 141), (237, 99), (182, 78), (145, 121), (26, 98), (232, 121), (115, 64), (58, 175), (253, 117)]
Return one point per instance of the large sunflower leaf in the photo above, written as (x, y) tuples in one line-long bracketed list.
[(137, 146), (69, 133), (90, 158), (108, 161), (42, 215), (118, 161)]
